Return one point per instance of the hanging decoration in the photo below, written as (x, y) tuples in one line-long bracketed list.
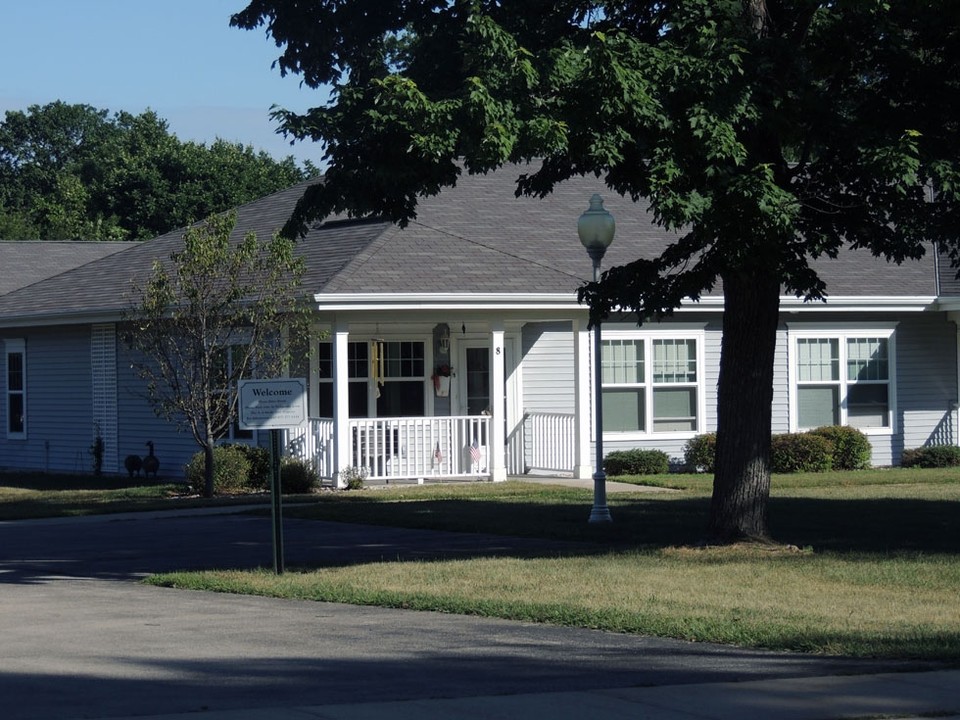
[(441, 380), (376, 364)]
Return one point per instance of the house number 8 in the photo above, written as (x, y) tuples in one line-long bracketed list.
[(498, 351)]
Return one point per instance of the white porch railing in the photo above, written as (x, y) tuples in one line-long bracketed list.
[(549, 441), (406, 448), (315, 446), (413, 448)]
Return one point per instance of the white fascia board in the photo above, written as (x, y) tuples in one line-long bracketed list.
[(834, 303), (562, 301), (446, 301), (861, 303)]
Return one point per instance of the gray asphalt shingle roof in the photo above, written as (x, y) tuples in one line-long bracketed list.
[(26, 262), (474, 238)]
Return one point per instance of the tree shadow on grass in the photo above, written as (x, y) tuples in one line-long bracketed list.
[(847, 525)]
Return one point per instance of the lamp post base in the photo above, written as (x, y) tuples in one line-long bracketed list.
[(600, 513)]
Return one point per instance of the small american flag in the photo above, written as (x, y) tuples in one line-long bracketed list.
[(437, 455), (475, 451)]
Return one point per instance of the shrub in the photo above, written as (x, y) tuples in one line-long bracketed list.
[(699, 453), (932, 456), (353, 477), (851, 448), (800, 452), (296, 476), (636, 462), (259, 459), (231, 470)]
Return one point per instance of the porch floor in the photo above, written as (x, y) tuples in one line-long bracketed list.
[(587, 484)]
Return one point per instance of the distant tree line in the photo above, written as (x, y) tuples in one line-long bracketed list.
[(74, 172)]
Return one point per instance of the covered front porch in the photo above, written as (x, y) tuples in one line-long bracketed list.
[(415, 449), (402, 395)]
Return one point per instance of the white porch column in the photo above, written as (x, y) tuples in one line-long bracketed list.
[(497, 458), (582, 469), (341, 401), (955, 404)]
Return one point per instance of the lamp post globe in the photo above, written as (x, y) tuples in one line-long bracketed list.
[(596, 228)]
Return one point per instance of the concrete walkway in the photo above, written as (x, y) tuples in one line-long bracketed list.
[(82, 639)]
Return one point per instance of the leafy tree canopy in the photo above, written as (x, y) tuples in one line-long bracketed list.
[(767, 132), (76, 172)]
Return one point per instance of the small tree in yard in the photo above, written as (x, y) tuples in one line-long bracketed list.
[(213, 297)]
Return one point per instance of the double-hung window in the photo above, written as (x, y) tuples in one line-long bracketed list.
[(404, 379), (396, 370), (358, 365), (844, 378), (651, 384), (16, 389)]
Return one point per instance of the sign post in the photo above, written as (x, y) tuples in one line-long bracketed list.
[(274, 405), (276, 501)]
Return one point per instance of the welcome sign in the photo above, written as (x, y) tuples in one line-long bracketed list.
[(272, 404)]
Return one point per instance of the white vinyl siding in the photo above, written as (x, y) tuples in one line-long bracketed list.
[(926, 385), (548, 376), (59, 426)]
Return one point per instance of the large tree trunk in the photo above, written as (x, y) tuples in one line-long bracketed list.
[(741, 484)]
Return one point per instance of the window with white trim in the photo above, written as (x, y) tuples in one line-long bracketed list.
[(16, 388), (399, 377), (225, 362), (404, 379), (844, 379), (651, 384), (358, 366)]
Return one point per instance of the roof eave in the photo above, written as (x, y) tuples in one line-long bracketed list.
[(514, 301), (566, 301), (86, 317)]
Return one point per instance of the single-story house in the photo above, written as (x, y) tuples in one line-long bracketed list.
[(455, 347)]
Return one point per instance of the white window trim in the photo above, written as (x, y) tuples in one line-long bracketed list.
[(363, 337), (315, 368), (842, 332), (682, 332), (13, 346)]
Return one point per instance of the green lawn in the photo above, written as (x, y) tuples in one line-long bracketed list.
[(869, 563), (37, 495)]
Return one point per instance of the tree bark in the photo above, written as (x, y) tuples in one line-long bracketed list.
[(208, 468), (741, 485)]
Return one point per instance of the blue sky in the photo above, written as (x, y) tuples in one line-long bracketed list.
[(180, 58)]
